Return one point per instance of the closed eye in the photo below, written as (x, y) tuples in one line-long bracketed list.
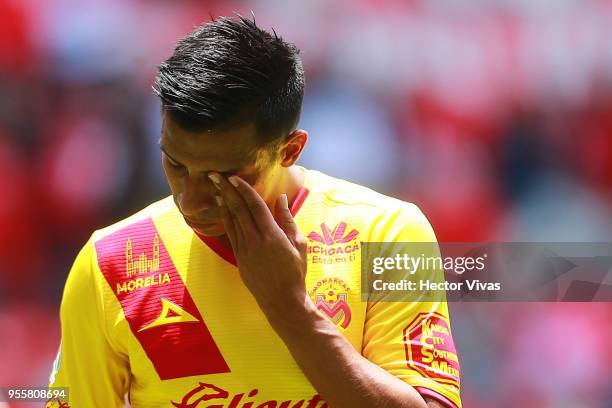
[(172, 163)]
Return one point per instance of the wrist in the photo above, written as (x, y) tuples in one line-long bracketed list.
[(297, 316)]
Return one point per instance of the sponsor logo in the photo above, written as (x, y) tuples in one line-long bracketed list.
[(171, 313), (140, 283), (142, 264), (56, 403), (430, 349), (335, 236), (211, 393), (330, 296), (333, 246)]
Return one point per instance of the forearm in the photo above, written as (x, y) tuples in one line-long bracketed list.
[(341, 375)]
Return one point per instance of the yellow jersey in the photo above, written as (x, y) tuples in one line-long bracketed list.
[(154, 312)]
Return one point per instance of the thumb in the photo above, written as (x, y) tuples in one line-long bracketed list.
[(284, 219)]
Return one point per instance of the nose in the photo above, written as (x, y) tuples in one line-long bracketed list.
[(197, 195)]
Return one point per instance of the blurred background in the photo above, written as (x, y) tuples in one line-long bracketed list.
[(494, 116)]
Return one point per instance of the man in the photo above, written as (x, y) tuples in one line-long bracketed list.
[(213, 297)]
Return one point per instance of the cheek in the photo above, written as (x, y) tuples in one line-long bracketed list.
[(164, 164), (174, 182)]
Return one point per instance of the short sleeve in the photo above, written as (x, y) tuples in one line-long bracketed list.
[(413, 340), (93, 373)]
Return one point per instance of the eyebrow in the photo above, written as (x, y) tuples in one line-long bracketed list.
[(229, 172)]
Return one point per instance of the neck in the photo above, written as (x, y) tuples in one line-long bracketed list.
[(294, 180)]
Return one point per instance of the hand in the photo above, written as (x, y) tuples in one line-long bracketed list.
[(269, 248)]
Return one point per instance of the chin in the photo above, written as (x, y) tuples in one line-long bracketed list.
[(214, 230)]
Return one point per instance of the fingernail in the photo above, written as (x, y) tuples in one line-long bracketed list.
[(234, 181), (219, 200), (215, 179), (284, 202)]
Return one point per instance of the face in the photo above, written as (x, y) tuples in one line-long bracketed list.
[(188, 157)]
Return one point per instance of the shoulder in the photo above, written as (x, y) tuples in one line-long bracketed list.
[(114, 246), (115, 253), (148, 214), (89, 252), (119, 252), (381, 215), (342, 192)]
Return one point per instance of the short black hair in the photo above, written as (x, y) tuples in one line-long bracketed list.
[(230, 72)]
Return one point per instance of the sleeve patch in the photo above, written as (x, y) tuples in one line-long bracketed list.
[(430, 349)]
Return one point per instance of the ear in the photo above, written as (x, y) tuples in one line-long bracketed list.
[(293, 146)]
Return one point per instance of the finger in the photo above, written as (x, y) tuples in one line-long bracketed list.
[(287, 223), (236, 205), (260, 213), (228, 223), (283, 217)]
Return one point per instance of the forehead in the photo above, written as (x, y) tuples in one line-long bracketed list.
[(209, 150)]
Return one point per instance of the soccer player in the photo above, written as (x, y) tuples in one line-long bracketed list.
[(242, 289)]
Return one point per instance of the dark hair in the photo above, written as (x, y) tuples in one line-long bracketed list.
[(229, 72)]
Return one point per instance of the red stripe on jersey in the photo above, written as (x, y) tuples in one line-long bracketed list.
[(136, 265), (299, 200), (436, 395), (218, 248)]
